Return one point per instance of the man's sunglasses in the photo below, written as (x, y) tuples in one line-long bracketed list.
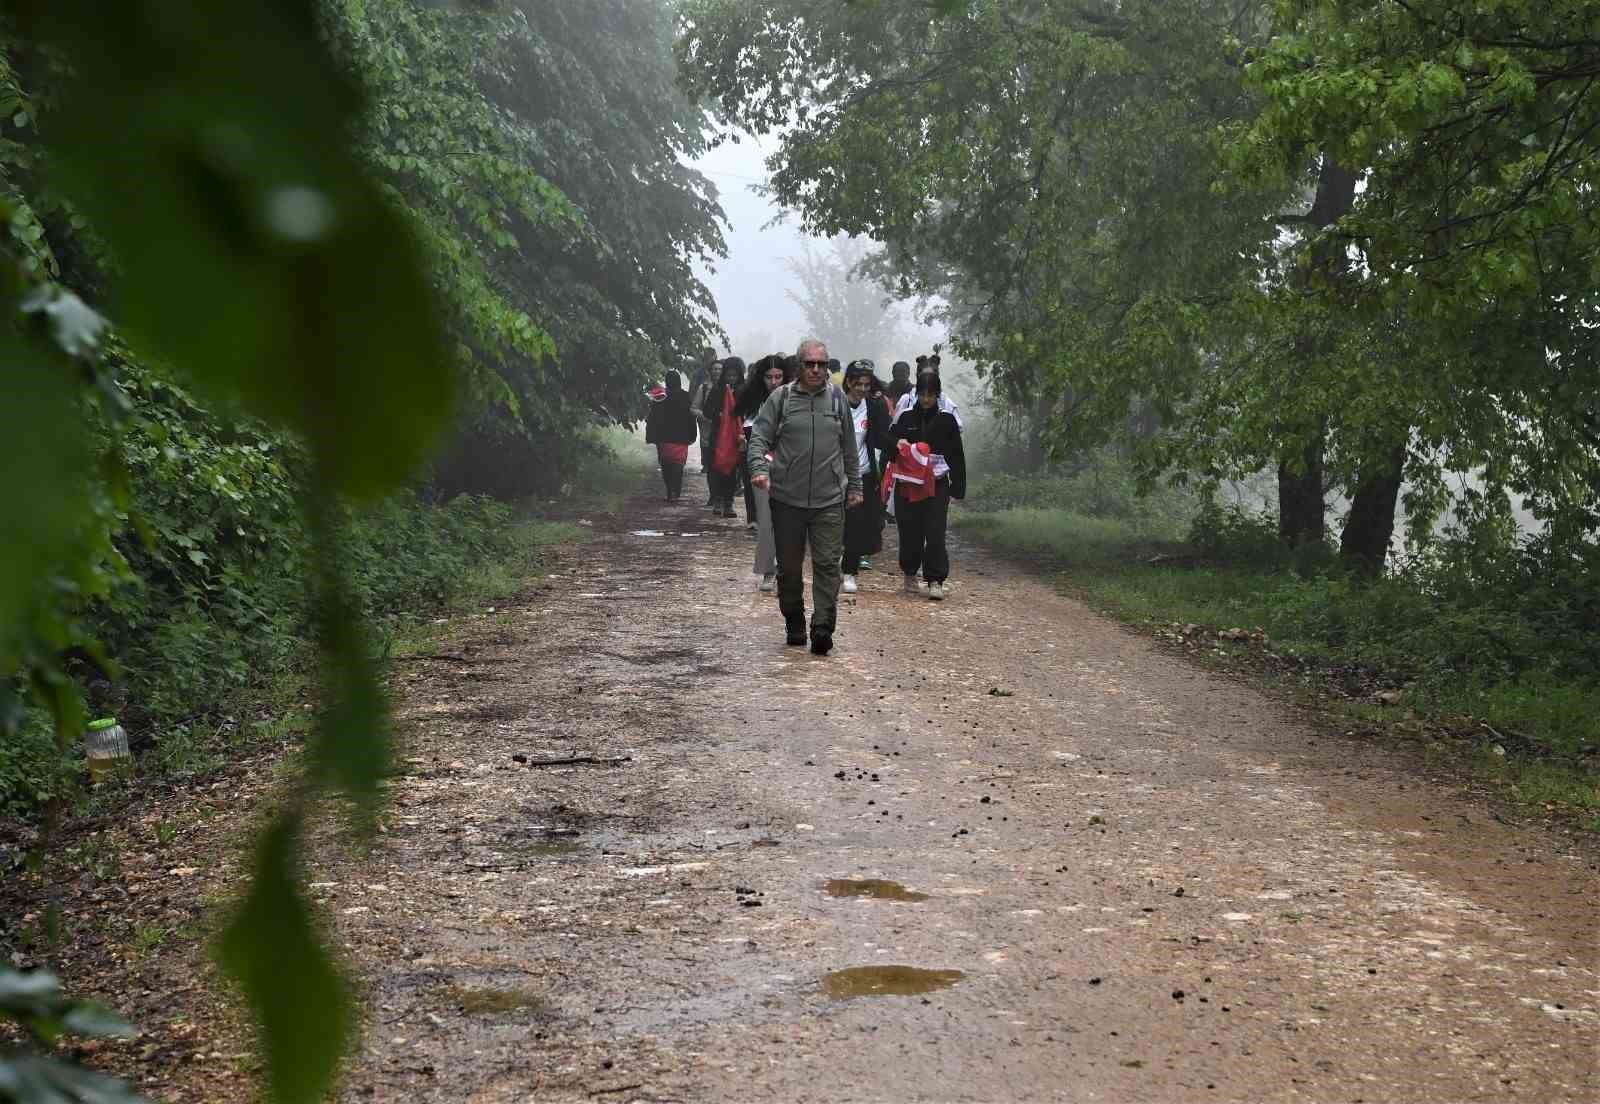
[(815, 363)]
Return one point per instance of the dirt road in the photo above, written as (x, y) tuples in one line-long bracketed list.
[(1126, 879)]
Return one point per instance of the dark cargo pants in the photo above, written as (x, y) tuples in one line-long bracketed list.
[(793, 527)]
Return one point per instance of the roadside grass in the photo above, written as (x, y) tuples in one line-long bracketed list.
[(1482, 689), (612, 476)]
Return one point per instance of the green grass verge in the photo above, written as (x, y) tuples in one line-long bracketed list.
[(1470, 679)]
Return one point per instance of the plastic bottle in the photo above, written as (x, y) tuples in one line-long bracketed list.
[(107, 746)]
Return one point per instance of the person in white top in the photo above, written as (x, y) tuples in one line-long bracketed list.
[(930, 368), (863, 534)]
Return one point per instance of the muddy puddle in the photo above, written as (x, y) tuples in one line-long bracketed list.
[(483, 1001), (875, 888), (887, 981)]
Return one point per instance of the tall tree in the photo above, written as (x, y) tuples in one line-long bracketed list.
[(841, 303), (542, 149), (1476, 129)]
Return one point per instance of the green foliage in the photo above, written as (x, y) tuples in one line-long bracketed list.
[(539, 149), (198, 639), (1101, 485), (1053, 533), (1475, 132), (1112, 201)]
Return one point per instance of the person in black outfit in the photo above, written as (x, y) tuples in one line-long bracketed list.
[(899, 381), (922, 523), (671, 428)]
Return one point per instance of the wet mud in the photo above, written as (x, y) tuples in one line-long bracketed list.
[(871, 877)]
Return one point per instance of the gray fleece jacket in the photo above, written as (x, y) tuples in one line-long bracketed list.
[(812, 441)]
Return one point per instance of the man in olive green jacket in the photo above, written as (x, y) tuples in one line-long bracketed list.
[(803, 452)]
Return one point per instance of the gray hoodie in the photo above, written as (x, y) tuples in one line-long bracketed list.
[(812, 440)]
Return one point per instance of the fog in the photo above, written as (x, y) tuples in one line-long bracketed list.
[(754, 283)]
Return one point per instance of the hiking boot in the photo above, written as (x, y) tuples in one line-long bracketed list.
[(794, 629), (768, 582), (849, 584), (911, 585), (936, 592), (821, 641)]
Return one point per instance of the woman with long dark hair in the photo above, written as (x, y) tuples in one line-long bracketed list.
[(765, 378)]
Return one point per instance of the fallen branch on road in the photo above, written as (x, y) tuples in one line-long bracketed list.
[(573, 760)]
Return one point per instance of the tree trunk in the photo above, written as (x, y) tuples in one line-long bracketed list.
[(1370, 524), (1300, 498), (1038, 424), (1300, 483)]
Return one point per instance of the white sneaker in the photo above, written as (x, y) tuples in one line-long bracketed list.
[(911, 585), (936, 592), (849, 584), (768, 581)]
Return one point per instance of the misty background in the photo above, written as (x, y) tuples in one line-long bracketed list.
[(756, 286)]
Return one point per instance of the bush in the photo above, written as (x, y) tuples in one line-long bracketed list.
[(213, 603), (1102, 486)]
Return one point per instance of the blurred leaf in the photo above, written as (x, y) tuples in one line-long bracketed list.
[(272, 949), (46, 1081), (45, 464), (351, 748), (255, 253), (35, 1001), (92, 1021)]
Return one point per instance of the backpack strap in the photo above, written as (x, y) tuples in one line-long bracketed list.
[(836, 397)]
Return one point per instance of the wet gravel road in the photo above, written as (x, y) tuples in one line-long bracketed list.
[(994, 849)]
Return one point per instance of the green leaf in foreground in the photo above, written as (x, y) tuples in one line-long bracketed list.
[(46, 1081), (299, 999), (258, 256), (36, 1003), (44, 464)]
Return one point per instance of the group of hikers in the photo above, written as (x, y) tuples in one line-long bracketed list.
[(822, 455)]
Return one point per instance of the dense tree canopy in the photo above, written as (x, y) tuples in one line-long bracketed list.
[(1169, 210), (541, 147)]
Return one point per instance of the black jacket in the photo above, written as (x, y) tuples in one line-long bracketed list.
[(942, 436), (670, 421)]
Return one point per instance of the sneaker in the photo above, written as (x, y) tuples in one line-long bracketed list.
[(821, 642), (866, 564), (795, 630), (849, 586), (768, 581), (911, 585), (936, 592)]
